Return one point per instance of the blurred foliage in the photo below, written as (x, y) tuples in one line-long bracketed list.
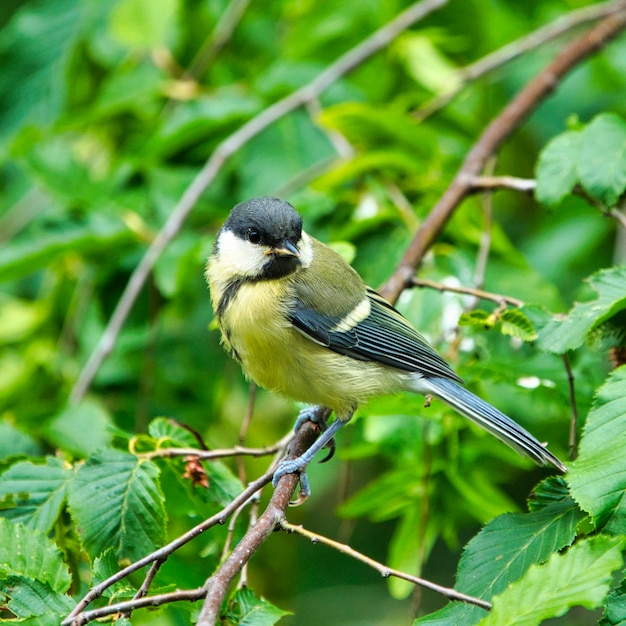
[(107, 112)]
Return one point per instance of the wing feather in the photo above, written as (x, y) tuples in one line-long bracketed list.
[(383, 336)]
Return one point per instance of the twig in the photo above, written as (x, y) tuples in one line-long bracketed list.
[(225, 149), (222, 32), (469, 291), (220, 453), (162, 553), (493, 136), (218, 584), (511, 51), (189, 595), (384, 571), (145, 586), (483, 183), (573, 425)]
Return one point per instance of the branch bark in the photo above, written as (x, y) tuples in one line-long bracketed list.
[(527, 100)]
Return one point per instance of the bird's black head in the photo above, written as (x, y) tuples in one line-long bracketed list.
[(267, 238)]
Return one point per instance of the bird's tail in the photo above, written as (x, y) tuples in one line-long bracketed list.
[(489, 418)]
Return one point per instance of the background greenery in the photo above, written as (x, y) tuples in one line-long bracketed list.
[(107, 112)]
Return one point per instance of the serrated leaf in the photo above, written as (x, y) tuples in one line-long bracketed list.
[(33, 598), (167, 431), (516, 324), (34, 493), (556, 171), (29, 553), (477, 317), (248, 610), (116, 500), (502, 552), (552, 489), (602, 159), (615, 607), (597, 478), (559, 336), (581, 576)]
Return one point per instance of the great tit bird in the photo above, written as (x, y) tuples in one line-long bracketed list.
[(302, 323)]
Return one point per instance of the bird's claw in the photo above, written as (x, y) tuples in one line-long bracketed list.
[(292, 466)]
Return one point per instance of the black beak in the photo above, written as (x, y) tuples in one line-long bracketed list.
[(285, 248)]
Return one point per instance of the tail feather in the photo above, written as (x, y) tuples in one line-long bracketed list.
[(489, 418)]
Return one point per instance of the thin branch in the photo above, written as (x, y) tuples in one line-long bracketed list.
[(225, 149), (189, 595), (384, 571), (218, 584), (163, 553), (145, 586), (526, 101), (222, 32), (572, 400), (468, 291), (513, 183), (498, 58), (220, 453)]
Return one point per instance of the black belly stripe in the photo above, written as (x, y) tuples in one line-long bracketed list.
[(229, 294)]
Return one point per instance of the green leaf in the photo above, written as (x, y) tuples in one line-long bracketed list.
[(68, 432), (167, 432), (248, 610), (597, 478), (502, 552), (143, 24), (115, 500), (34, 493), (14, 442), (29, 553), (33, 598), (602, 159), (615, 608), (581, 576), (477, 318), (559, 336), (516, 324), (426, 64), (556, 170), (20, 259), (34, 53)]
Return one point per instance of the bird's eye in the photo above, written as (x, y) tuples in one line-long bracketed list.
[(254, 236)]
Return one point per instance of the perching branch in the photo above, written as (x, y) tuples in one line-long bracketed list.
[(526, 101), (163, 553), (225, 149), (385, 571)]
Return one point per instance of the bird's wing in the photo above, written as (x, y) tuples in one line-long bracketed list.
[(372, 331)]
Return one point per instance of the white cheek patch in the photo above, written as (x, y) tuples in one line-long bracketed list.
[(306, 250), (356, 316), (238, 257)]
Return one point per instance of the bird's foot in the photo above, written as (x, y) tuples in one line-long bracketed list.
[(318, 415), (299, 464)]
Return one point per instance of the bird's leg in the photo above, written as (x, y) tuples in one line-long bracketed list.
[(299, 464), (318, 415)]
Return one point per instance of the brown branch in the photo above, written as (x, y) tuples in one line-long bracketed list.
[(468, 291), (224, 150), (218, 584), (563, 24), (384, 571), (512, 183), (163, 553), (526, 101)]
